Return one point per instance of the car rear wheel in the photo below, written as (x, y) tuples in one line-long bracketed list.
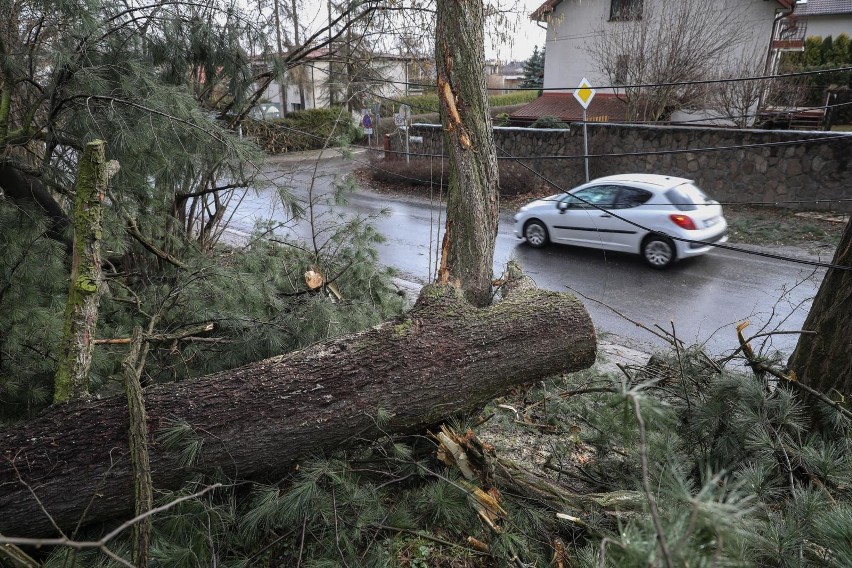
[(659, 252), (536, 233)]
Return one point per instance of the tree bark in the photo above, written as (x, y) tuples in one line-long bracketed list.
[(138, 445), (81, 308), (468, 251), (823, 361), (443, 357)]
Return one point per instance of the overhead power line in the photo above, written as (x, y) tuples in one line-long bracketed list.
[(630, 86), (836, 137), (611, 213)]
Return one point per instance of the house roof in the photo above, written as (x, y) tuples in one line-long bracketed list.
[(550, 5), (605, 107), (824, 7)]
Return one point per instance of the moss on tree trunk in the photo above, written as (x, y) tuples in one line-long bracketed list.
[(81, 308)]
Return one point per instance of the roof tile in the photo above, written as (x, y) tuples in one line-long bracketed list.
[(824, 7), (605, 107)]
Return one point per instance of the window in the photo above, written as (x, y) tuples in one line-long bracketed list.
[(624, 10), (598, 196), (631, 197), (295, 106), (687, 197)]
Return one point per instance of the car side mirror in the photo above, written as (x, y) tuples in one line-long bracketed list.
[(562, 206)]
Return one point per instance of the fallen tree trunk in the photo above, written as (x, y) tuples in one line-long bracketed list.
[(442, 357)]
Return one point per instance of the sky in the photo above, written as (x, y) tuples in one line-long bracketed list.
[(526, 36)]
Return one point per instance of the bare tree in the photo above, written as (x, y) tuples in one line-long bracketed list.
[(734, 98), (652, 45)]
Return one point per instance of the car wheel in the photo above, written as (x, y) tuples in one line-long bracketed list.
[(659, 252), (536, 233)]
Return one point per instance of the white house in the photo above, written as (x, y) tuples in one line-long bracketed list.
[(825, 17), (574, 52), (324, 79)]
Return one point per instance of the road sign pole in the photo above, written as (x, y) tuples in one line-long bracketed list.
[(586, 145), (584, 93)]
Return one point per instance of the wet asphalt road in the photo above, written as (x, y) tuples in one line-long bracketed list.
[(704, 297)]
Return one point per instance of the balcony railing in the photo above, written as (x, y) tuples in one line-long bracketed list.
[(790, 34)]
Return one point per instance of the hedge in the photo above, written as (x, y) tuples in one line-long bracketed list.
[(302, 130), (422, 104)]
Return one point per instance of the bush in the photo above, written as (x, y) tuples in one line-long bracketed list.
[(515, 179), (429, 103), (303, 130), (548, 122), (514, 98)]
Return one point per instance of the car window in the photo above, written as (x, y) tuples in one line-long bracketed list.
[(631, 197), (687, 197), (602, 196)]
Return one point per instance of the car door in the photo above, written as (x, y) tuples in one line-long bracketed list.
[(584, 218), (629, 208)]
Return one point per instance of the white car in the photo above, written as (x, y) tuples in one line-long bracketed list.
[(662, 218)]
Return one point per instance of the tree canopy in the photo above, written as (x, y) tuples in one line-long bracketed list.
[(534, 70), (162, 85), (833, 88)]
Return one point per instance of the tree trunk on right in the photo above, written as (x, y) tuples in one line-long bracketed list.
[(824, 361)]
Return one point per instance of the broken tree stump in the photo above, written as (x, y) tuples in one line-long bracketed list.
[(442, 357)]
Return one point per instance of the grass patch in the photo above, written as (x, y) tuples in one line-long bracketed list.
[(773, 226)]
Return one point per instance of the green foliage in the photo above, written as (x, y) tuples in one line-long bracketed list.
[(180, 438), (824, 53), (740, 474), (255, 296), (33, 287), (534, 70), (303, 130), (423, 104), (515, 98), (548, 122)]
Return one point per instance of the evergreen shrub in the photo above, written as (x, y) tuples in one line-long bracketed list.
[(422, 104), (515, 179), (303, 130), (739, 474)]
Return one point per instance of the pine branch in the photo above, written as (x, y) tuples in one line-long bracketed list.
[(101, 544), (646, 483), (133, 230)]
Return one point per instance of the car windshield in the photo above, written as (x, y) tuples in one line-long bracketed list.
[(687, 197)]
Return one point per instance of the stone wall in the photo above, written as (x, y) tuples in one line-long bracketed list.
[(801, 170)]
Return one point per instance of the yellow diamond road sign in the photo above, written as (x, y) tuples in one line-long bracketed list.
[(584, 93)]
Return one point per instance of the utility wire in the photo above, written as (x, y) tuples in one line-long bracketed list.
[(422, 181), (771, 77), (832, 137), (611, 213)]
